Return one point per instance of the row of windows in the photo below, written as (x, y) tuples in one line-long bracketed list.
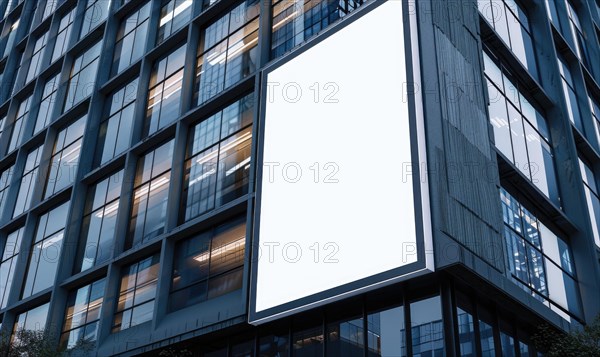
[(539, 260), (210, 264), (505, 112), (520, 131), (511, 23), (294, 22), (226, 52), (217, 172), (572, 27), (206, 266), (377, 331)]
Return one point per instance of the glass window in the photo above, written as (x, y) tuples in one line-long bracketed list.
[(64, 34), (99, 221), (592, 197), (486, 336), (218, 159), (524, 350), (510, 21), (12, 33), (209, 264), (345, 338), (507, 342), (174, 14), (521, 132), (294, 22), (23, 64), (537, 259), (65, 157), (16, 136), (571, 97), (164, 95), (2, 121), (552, 12), (595, 109), (84, 306), (28, 181), (115, 131), (45, 251), (131, 39), (308, 342), (17, 85), (227, 52), (120, 3), (5, 180), (44, 116), (95, 13), (35, 65), (150, 195), (578, 34), (137, 293), (386, 333), (274, 345), (427, 327), (466, 333), (31, 320), (49, 8), (83, 76), (8, 264)]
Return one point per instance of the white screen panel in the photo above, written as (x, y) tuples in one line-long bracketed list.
[(337, 199)]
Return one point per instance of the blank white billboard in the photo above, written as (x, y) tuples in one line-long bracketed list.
[(340, 203)]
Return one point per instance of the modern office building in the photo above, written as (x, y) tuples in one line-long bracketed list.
[(299, 177)]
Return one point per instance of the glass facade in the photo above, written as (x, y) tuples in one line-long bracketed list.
[(127, 210), (538, 259)]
